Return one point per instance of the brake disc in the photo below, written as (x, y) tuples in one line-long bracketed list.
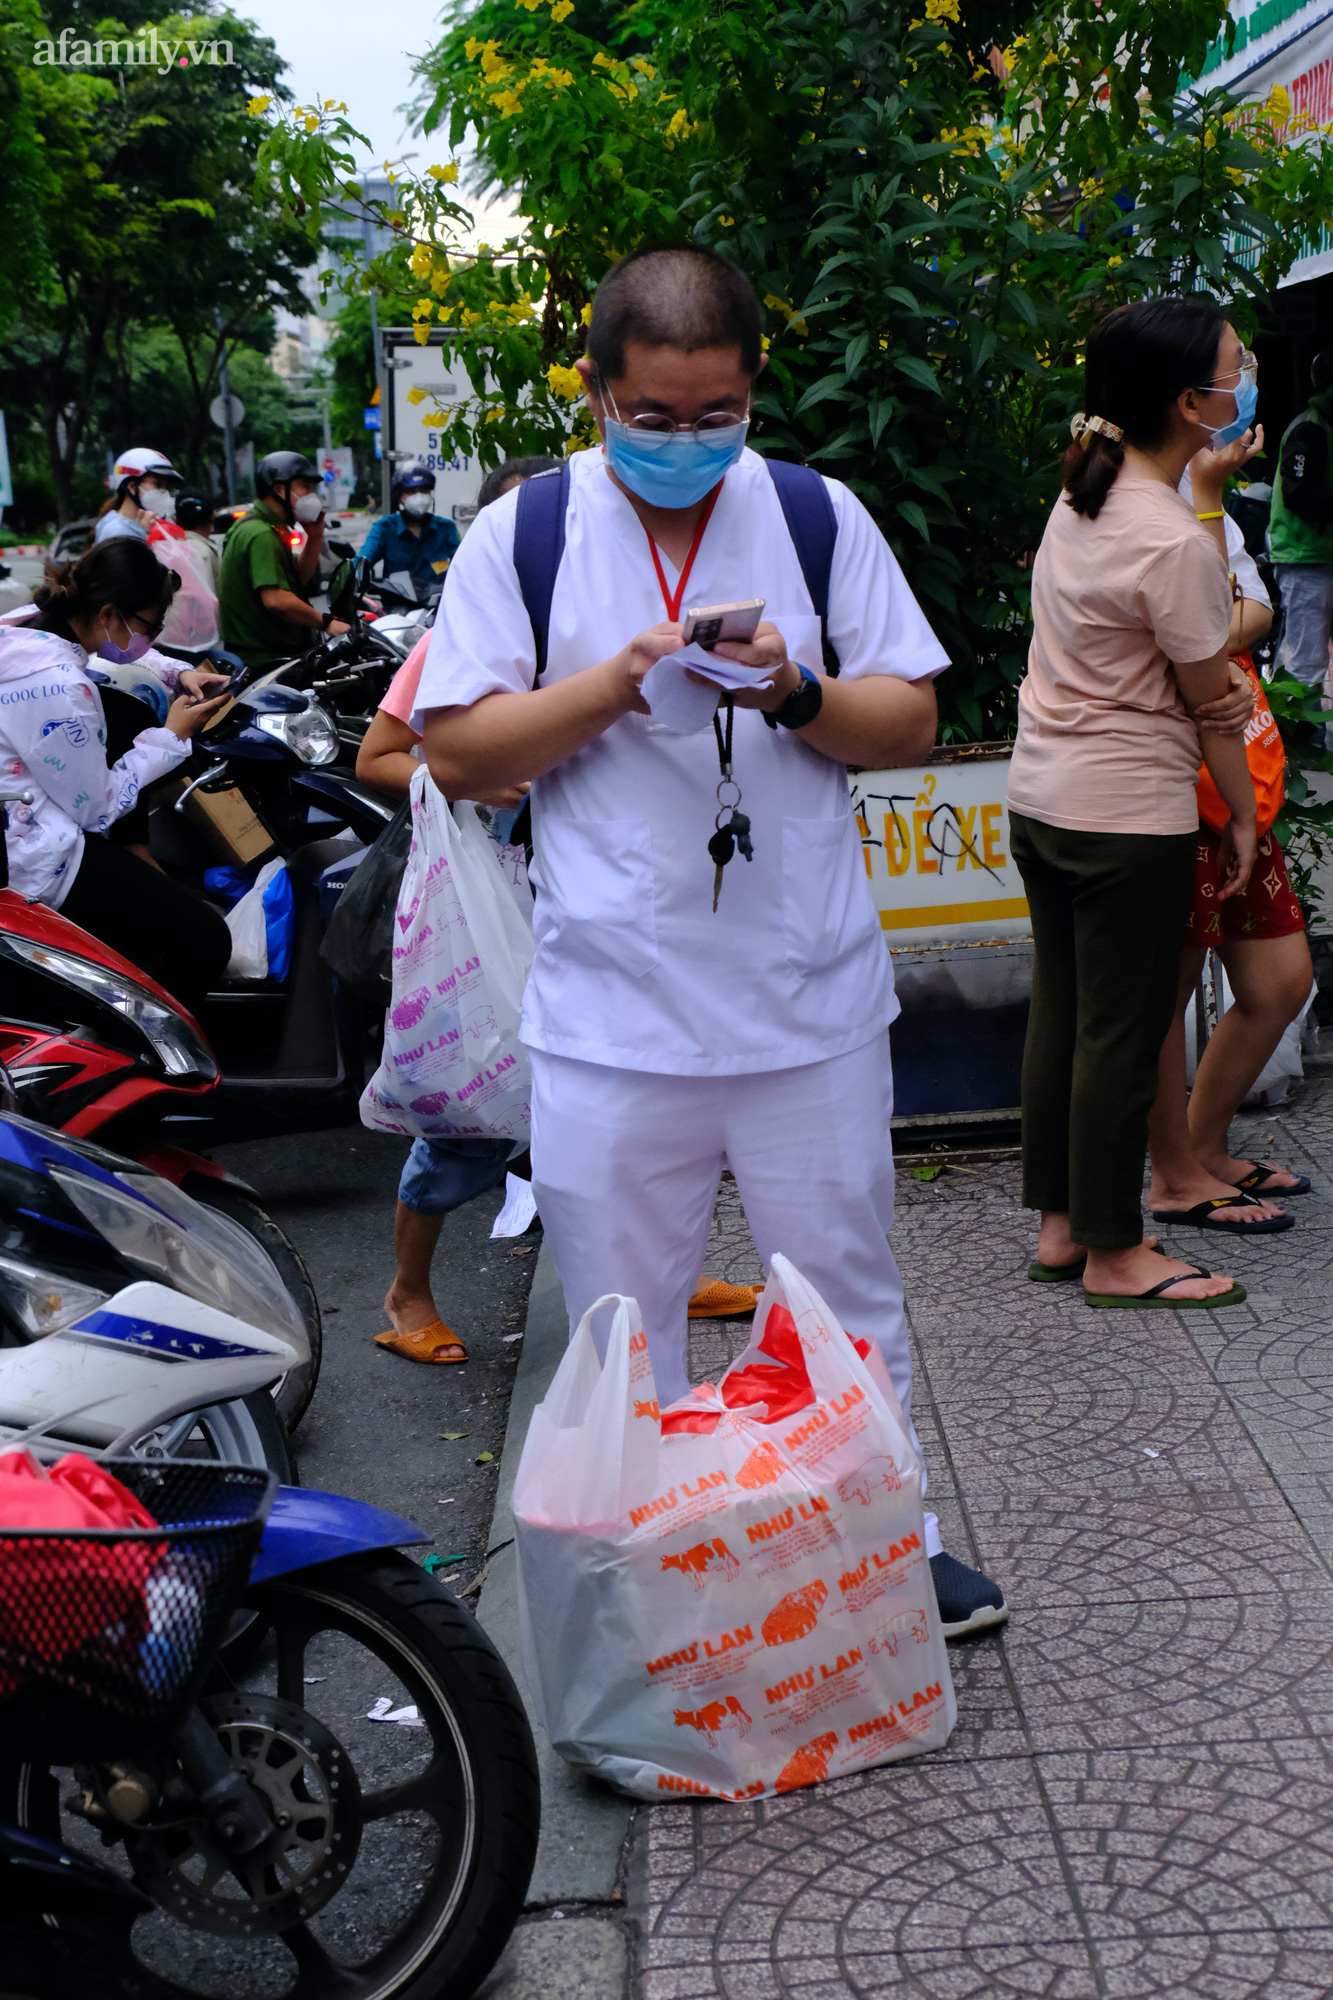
[(310, 1790)]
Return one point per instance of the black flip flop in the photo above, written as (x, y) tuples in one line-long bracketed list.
[(1204, 1215), (1056, 1274), (1153, 1300), (1253, 1184)]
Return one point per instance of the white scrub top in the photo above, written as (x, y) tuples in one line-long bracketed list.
[(632, 967)]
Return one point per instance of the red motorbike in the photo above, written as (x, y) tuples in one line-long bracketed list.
[(96, 1048)]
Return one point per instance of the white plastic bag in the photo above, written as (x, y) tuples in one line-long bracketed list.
[(718, 1602), (453, 1063), (1283, 1068), (261, 926)]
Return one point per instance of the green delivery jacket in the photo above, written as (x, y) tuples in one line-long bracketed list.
[(1301, 520)]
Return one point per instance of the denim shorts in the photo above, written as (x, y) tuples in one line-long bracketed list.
[(442, 1174)]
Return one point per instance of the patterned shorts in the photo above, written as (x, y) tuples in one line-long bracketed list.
[(1267, 909)]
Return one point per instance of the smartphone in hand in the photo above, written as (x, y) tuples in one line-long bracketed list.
[(706, 624)]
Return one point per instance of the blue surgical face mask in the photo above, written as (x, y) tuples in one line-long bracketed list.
[(1247, 402), (672, 468)]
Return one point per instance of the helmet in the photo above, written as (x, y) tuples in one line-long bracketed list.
[(134, 464), (280, 466), (414, 476)]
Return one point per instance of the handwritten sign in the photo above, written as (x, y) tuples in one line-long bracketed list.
[(936, 841)]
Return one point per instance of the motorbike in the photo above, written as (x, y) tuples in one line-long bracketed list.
[(133, 1318), (319, 1783)]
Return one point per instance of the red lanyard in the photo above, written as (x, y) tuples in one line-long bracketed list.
[(673, 604)]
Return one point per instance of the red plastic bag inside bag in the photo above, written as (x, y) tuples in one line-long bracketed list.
[(783, 1386), (58, 1593)]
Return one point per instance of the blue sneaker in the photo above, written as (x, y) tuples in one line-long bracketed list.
[(968, 1601)]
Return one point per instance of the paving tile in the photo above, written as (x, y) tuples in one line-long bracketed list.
[(1148, 1548), (1214, 1670), (1029, 1972), (1200, 1840), (1272, 1965)]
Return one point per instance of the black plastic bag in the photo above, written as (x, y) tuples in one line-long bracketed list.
[(358, 944)]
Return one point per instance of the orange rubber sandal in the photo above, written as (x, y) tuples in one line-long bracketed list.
[(428, 1343)]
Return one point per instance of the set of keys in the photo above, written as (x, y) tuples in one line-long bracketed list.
[(736, 833)]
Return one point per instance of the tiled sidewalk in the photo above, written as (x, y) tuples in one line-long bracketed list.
[(1138, 1798)]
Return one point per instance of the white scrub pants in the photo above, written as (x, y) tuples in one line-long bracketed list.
[(625, 1167)]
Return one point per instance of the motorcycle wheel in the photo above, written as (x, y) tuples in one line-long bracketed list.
[(292, 1394), (420, 1839), (56, 1967), (245, 1431)]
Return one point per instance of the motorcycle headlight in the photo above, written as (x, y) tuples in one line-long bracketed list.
[(192, 1248), (174, 1042), (308, 733), (43, 1302)]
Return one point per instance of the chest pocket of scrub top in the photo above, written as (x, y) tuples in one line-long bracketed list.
[(600, 878), (827, 913)]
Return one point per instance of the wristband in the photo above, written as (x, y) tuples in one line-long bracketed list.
[(1217, 514), (326, 621)]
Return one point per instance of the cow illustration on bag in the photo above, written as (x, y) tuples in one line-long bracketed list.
[(714, 1716), (705, 1559), (808, 1765), (863, 1483), (903, 1625), (794, 1615)]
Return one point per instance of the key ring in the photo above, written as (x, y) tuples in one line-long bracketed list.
[(726, 805)]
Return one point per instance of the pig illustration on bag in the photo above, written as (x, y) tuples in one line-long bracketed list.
[(864, 1482), (807, 1765), (794, 1615), (714, 1716), (903, 1625), (705, 1559)]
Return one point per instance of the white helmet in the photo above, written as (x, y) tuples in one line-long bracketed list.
[(134, 464)]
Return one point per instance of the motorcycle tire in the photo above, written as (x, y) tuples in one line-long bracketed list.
[(291, 1396), (478, 1790)]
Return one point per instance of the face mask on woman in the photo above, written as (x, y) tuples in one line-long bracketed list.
[(1246, 399), (158, 500), (121, 656), (418, 503)]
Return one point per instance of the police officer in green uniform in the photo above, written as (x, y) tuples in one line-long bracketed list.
[(263, 608), (1301, 529)]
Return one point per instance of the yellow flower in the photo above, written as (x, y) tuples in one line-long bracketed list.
[(561, 9), (1111, 262), (469, 317), (492, 67), (586, 316), (449, 173), (679, 128), (1276, 106), (421, 333), (416, 395), (765, 342), (727, 221), (644, 68), (566, 382), (472, 48), (439, 279), (530, 6), (311, 123), (942, 10), (559, 79), (257, 106), (420, 261), (496, 415), (507, 102)]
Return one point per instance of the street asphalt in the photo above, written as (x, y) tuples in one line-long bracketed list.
[(374, 1429)]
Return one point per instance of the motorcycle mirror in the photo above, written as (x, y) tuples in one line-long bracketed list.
[(343, 591)]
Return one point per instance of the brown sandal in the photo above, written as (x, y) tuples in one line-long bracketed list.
[(714, 1298), (428, 1343)]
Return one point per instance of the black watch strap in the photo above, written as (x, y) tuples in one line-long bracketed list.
[(802, 704)]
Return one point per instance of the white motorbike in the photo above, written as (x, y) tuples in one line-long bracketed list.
[(133, 1320)]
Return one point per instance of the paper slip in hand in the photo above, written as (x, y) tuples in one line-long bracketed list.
[(681, 703)]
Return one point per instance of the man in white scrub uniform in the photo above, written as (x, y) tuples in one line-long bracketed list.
[(669, 1041)]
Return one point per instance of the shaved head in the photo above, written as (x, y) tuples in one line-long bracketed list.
[(681, 296)]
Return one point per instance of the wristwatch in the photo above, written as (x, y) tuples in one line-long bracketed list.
[(802, 704), (326, 621)]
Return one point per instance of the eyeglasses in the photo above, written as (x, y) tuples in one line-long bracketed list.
[(1247, 369), (715, 423)]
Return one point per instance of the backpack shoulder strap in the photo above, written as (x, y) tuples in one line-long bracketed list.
[(539, 543), (813, 527)]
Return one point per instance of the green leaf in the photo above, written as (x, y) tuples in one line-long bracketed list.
[(919, 371), (827, 387), (913, 514)]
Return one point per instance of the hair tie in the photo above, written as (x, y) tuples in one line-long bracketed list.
[(1082, 427)]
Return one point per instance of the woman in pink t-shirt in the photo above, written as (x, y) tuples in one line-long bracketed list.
[(1128, 677)]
